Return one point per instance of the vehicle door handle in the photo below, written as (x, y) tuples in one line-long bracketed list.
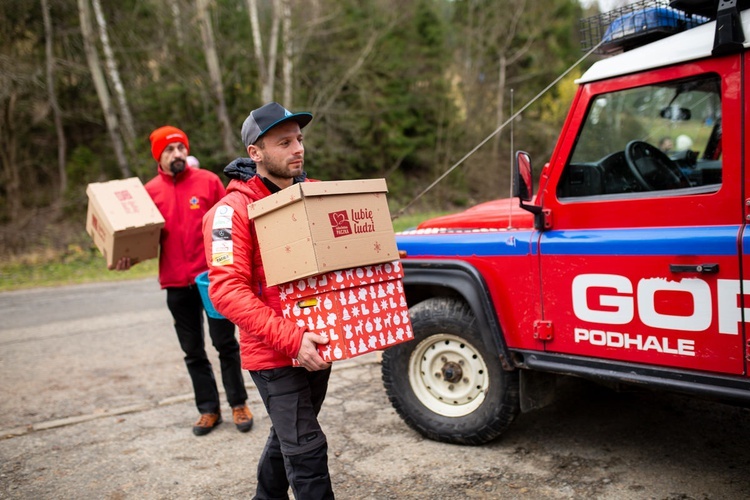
[(694, 268)]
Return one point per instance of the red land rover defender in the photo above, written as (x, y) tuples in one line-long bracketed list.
[(630, 264)]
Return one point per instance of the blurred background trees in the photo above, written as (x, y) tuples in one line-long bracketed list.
[(400, 90)]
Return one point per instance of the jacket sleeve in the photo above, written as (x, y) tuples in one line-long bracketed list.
[(234, 289)]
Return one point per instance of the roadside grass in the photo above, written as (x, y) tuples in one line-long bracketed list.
[(72, 266), (80, 264)]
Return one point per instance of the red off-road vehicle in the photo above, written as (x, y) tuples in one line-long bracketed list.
[(629, 264)]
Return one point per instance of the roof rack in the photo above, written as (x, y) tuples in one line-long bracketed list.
[(634, 25)]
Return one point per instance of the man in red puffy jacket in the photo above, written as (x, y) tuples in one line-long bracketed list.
[(183, 196), (296, 453)]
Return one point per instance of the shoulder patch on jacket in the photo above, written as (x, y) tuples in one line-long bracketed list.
[(222, 249)]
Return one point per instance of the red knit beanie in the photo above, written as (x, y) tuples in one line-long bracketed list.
[(163, 137)]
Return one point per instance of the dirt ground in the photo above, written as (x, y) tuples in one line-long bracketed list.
[(96, 403)]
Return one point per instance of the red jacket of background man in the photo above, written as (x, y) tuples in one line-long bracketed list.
[(237, 282), (183, 200)]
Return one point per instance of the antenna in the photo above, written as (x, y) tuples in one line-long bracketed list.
[(510, 170)]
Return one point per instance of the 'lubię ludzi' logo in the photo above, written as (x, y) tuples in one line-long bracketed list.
[(353, 221), (340, 223)]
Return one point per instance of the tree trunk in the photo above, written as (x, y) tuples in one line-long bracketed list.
[(113, 125), (266, 66), (52, 95), (288, 62), (9, 156), (174, 6), (273, 50), (212, 60), (114, 77), (260, 60)]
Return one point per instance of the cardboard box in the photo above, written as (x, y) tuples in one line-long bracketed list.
[(123, 221), (360, 310), (316, 227)]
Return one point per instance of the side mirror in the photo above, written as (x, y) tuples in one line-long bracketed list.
[(523, 180)]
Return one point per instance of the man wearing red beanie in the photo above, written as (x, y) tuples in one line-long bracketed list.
[(183, 195)]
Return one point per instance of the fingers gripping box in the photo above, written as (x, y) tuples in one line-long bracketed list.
[(123, 220), (360, 309), (311, 228)]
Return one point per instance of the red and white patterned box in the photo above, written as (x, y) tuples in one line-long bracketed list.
[(360, 310)]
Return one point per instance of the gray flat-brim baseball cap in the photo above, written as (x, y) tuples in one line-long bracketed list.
[(263, 119)]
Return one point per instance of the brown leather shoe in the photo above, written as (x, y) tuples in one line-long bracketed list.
[(206, 423), (243, 418)]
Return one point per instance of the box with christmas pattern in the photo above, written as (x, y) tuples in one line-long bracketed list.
[(360, 309)]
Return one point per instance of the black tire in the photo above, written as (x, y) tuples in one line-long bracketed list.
[(446, 383)]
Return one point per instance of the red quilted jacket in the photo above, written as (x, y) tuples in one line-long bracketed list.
[(238, 288), (183, 201)]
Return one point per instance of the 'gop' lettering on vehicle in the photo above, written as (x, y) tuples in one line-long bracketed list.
[(628, 302)]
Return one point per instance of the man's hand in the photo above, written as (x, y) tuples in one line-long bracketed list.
[(123, 264), (308, 356)]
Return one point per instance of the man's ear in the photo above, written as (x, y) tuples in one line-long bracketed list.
[(253, 152)]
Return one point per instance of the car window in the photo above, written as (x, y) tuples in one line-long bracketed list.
[(648, 141)]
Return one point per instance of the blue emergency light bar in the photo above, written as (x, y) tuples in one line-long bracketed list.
[(634, 25)]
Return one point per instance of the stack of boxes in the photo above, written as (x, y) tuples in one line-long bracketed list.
[(331, 249)]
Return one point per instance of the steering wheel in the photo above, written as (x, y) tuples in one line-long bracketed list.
[(653, 169)]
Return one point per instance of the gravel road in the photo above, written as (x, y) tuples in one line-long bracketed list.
[(96, 403)]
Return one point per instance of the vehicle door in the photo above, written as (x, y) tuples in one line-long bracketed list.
[(640, 262)]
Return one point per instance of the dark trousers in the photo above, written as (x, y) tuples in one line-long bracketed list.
[(187, 310), (296, 452)]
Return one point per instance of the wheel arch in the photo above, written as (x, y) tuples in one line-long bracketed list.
[(424, 279)]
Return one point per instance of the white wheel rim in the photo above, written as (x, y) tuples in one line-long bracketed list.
[(434, 367)]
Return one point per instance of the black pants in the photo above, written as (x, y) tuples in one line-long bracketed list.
[(296, 452), (187, 310)]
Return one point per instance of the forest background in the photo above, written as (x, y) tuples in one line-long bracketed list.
[(399, 90)]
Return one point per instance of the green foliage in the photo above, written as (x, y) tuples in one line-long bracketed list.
[(389, 121), (400, 90), (84, 166)]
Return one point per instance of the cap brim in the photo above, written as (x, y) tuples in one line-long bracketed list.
[(302, 120)]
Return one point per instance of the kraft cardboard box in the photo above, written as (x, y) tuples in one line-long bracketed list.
[(123, 221), (317, 227), (360, 310)]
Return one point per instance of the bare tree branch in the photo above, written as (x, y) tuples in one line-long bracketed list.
[(334, 89)]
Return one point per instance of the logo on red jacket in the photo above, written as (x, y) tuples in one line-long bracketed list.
[(195, 203)]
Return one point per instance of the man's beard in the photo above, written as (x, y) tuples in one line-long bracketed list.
[(279, 169), (177, 166)]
